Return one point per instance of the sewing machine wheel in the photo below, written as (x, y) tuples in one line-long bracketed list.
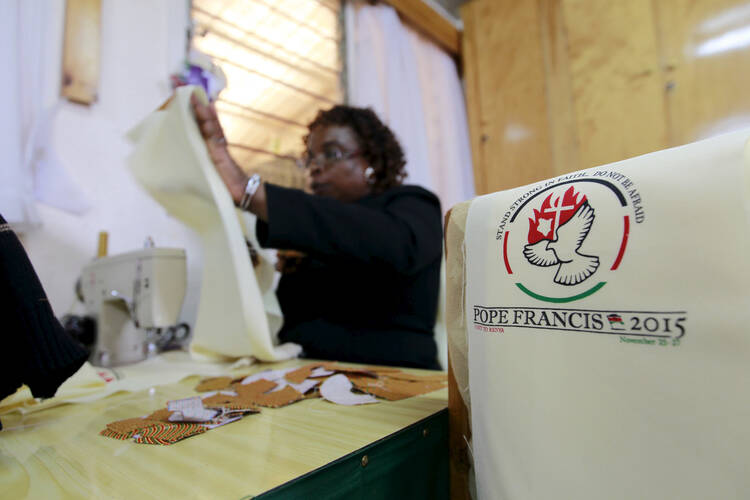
[(181, 332)]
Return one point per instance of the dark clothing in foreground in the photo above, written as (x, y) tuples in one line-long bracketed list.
[(368, 290), (36, 349)]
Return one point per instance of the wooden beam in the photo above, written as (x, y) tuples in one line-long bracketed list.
[(81, 50), (430, 22)]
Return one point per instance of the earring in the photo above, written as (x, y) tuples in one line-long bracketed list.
[(370, 175)]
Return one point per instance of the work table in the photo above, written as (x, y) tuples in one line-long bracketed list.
[(58, 452)]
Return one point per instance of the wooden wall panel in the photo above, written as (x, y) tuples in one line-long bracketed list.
[(561, 112), (80, 79), (706, 63), (507, 108), (617, 87), (470, 55), (559, 85)]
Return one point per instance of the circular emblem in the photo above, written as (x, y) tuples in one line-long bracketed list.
[(564, 242)]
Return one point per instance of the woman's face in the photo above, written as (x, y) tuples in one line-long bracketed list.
[(335, 167)]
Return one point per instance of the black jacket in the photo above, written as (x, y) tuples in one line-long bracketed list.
[(368, 291), (36, 350)]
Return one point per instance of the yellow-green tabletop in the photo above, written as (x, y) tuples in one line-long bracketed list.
[(58, 452)]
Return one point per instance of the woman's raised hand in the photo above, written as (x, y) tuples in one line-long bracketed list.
[(212, 133)]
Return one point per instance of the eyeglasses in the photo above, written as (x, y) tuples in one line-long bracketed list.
[(327, 158)]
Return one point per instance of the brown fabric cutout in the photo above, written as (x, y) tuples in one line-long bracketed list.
[(277, 399), (166, 434), (240, 407), (160, 415), (113, 434), (257, 394), (130, 425), (300, 374), (213, 384), (257, 387), (395, 390), (219, 401)]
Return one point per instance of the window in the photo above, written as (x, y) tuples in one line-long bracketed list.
[(282, 60)]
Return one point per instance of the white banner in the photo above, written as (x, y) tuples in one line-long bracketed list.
[(608, 317)]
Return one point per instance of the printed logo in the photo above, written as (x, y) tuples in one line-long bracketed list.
[(555, 236), (561, 241)]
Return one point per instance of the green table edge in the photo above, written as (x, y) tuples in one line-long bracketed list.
[(411, 463)]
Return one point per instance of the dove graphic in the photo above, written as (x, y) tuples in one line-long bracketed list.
[(574, 267)]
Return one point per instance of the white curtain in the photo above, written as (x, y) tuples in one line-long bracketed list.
[(30, 53), (414, 87), (16, 189)]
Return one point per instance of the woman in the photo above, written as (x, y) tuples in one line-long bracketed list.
[(367, 289)]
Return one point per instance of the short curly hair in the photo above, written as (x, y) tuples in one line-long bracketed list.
[(378, 145)]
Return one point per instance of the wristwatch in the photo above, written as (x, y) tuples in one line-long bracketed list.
[(253, 183)]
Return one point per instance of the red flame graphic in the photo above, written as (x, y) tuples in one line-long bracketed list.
[(551, 215)]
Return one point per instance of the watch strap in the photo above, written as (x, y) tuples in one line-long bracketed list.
[(253, 183)]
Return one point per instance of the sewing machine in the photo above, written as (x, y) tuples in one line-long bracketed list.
[(136, 299)]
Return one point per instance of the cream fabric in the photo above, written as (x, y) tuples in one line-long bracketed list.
[(91, 383), (619, 369), (170, 160), (455, 318)]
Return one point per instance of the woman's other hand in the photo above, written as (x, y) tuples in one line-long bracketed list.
[(210, 128), (289, 261)]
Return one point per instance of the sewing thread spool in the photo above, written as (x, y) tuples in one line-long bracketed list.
[(103, 240)]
